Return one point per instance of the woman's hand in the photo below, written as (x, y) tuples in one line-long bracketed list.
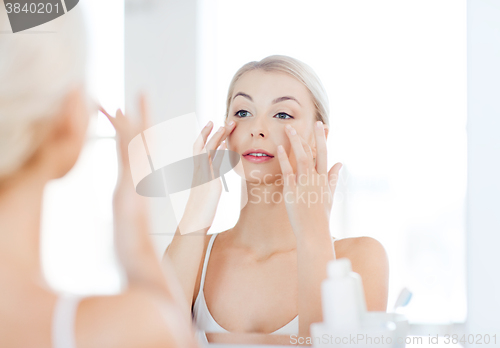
[(131, 217), (206, 184), (129, 208), (308, 194)]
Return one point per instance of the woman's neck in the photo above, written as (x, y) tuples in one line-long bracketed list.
[(263, 225), (20, 211)]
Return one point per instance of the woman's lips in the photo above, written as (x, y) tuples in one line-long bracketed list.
[(257, 159)]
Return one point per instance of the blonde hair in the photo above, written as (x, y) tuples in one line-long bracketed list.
[(294, 67), (37, 70)]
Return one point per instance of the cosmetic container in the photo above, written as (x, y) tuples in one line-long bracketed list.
[(346, 322), (343, 297)]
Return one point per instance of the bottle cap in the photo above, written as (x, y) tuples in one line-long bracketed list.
[(339, 267)]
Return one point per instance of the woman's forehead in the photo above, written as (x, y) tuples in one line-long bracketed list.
[(268, 85)]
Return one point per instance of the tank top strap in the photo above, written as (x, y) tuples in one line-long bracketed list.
[(63, 321), (333, 243), (205, 262)]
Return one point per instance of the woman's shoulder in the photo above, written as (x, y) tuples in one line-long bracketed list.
[(359, 248), (25, 306), (369, 259), (111, 314)]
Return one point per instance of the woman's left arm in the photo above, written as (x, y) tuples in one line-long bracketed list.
[(308, 196)]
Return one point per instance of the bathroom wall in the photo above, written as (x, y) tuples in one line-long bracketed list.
[(483, 196), (160, 53)]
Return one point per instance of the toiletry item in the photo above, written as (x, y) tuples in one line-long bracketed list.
[(343, 297), (403, 298)]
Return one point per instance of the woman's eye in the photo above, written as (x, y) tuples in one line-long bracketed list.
[(285, 114), (242, 113)]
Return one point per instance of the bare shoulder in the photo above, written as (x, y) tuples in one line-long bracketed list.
[(369, 259), (359, 247), (135, 318)]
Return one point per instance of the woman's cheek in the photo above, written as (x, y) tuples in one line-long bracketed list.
[(284, 140)]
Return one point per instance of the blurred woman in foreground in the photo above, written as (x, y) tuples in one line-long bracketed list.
[(44, 114)]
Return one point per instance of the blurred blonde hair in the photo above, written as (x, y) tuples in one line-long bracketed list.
[(37, 70), (295, 68)]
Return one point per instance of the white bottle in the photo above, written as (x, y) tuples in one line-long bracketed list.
[(343, 297)]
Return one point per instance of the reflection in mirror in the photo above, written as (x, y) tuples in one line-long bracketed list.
[(398, 117)]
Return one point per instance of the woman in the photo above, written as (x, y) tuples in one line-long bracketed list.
[(44, 114), (274, 258)]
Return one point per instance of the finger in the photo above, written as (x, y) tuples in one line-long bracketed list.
[(122, 140), (119, 113), (333, 176), (218, 159), (303, 162), (144, 111), (199, 144), (145, 121), (216, 139), (286, 167), (321, 158), (230, 126), (122, 124), (307, 149), (110, 118)]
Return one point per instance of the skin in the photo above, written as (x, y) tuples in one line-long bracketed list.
[(26, 300), (275, 256)]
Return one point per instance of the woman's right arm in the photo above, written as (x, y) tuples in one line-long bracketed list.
[(184, 254), (150, 313)]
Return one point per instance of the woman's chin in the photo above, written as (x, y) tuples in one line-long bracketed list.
[(262, 177)]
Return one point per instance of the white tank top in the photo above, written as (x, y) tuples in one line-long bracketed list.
[(206, 323), (63, 321)]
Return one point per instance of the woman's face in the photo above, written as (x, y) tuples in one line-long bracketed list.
[(262, 104)]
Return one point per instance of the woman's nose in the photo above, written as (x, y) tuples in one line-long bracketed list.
[(258, 133), (259, 129)]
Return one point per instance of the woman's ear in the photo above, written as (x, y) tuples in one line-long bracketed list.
[(69, 131), (69, 122)]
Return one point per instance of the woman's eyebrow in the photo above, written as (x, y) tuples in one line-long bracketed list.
[(287, 97), (277, 100), (243, 95)]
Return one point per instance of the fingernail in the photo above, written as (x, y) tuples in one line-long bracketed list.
[(231, 123), (208, 124), (220, 129), (319, 124), (292, 131), (281, 149)]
